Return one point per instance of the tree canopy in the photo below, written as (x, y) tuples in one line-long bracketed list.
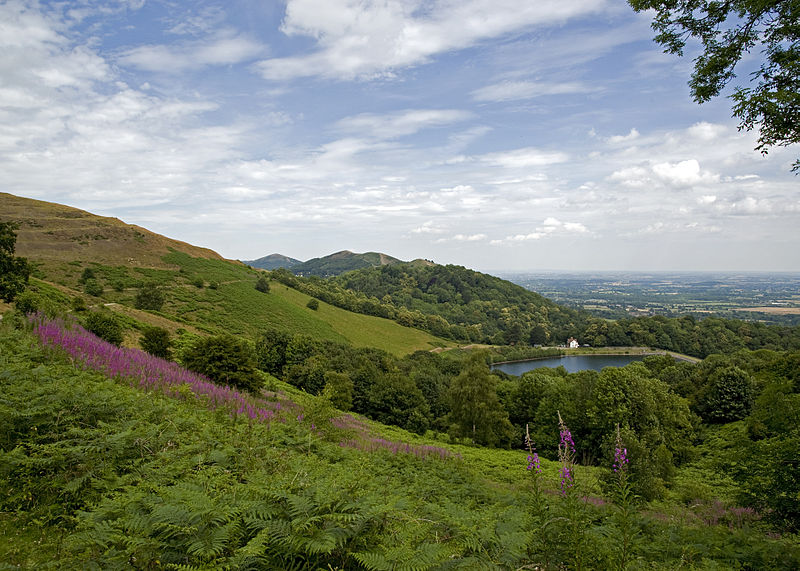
[(728, 31), (14, 271)]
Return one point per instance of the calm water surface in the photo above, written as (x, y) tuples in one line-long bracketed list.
[(572, 363)]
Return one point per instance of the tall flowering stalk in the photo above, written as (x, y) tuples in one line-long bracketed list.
[(535, 468), (566, 456), (624, 500), (574, 509)]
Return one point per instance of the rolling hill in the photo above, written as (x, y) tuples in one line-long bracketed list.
[(273, 262), (204, 292), (341, 262)]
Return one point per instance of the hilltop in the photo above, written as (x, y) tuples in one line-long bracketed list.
[(342, 262), (51, 233), (273, 262)]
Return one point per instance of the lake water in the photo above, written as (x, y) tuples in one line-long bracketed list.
[(572, 363)]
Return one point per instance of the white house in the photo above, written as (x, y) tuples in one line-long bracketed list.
[(572, 343)]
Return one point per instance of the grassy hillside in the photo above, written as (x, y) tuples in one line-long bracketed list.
[(204, 292), (97, 473), (50, 233)]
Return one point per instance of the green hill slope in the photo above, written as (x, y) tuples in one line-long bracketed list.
[(341, 262), (203, 292), (485, 307)]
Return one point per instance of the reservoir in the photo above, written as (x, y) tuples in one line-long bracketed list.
[(572, 363)]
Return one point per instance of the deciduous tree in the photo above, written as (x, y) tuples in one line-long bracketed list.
[(14, 271), (728, 31)]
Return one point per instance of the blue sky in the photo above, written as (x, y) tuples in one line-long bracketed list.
[(495, 134)]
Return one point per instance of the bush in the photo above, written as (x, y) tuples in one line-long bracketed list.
[(88, 274), (156, 341), (150, 296), (93, 287), (198, 282), (105, 326), (225, 360), (313, 304), (262, 285)]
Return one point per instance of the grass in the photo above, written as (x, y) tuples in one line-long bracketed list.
[(214, 296)]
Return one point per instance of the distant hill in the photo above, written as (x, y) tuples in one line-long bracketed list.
[(273, 262), (50, 233), (341, 262)]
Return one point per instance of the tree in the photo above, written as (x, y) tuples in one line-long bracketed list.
[(225, 360), (14, 271), (727, 31), (149, 296), (155, 340), (475, 410), (730, 396), (262, 284)]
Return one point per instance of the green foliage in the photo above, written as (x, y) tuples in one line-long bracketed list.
[(86, 275), (224, 359), (150, 296), (729, 31), (14, 270), (475, 411), (93, 287), (450, 301), (313, 304), (262, 284), (729, 395), (105, 325), (27, 302), (156, 341), (78, 304), (339, 390), (98, 475)]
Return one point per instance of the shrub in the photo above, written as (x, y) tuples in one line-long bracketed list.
[(93, 287), (313, 304), (27, 302), (156, 341), (105, 326), (150, 296), (262, 284), (78, 303), (225, 360)]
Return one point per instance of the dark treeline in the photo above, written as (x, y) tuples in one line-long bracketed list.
[(691, 336)]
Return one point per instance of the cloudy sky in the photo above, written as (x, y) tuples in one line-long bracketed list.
[(495, 134)]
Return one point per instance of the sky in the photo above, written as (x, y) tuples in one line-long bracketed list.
[(495, 134)]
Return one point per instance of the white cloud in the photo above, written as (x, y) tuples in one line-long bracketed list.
[(469, 237), (550, 227), (631, 136), (400, 123), (524, 158), (684, 173), (362, 38), (516, 90), (226, 48)]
